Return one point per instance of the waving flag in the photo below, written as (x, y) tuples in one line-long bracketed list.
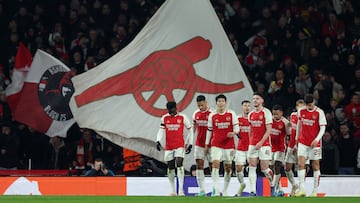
[(23, 61), (44, 100), (181, 52)]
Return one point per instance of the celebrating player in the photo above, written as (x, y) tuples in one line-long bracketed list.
[(310, 129), (200, 118), (222, 126), (172, 127)]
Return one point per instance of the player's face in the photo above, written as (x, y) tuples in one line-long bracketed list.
[(202, 105), (258, 101), (221, 103), (172, 111), (310, 106), (300, 105), (277, 114), (246, 107)]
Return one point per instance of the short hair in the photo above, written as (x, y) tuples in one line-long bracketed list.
[(300, 101), (220, 96), (308, 99), (259, 94), (200, 98), (277, 107), (245, 101), (170, 105)]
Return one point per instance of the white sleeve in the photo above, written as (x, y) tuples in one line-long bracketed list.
[(190, 137), (209, 131), (321, 133), (235, 123), (161, 132)]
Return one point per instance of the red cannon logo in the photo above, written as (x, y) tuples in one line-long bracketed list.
[(161, 73)]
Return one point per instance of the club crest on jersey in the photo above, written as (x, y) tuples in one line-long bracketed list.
[(280, 127), (178, 120), (261, 117), (314, 117), (54, 91), (228, 118)]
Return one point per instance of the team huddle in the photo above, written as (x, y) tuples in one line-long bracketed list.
[(257, 136)]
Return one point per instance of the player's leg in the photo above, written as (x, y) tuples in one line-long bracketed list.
[(315, 163), (229, 156), (179, 158), (290, 160), (302, 154), (240, 161), (170, 159), (200, 176), (253, 161), (265, 156), (216, 154)]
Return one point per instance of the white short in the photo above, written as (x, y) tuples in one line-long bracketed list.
[(227, 155), (309, 152), (278, 156), (171, 154), (264, 153), (240, 157), (199, 153), (290, 156)]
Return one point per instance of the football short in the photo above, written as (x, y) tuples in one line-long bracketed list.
[(171, 154), (264, 153), (309, 152), (240, 157), (200, 153), (277, 156), (227, 155), (290, 156)]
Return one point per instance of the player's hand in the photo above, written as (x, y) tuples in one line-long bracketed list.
[(258, 146), (314, 143), (206, 149), (230, 134), (188, 149), (294, 150), (158, 146)]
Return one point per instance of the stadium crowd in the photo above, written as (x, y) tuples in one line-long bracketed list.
[(287, 49)]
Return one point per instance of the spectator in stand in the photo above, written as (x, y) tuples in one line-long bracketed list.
[(99, 169), (57, 154), (348, 151), (8, 147), (303, 81), (352, 110), (332, 25), (330, 153), (85, 151)]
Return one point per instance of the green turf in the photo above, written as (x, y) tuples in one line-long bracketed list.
[(157, 199)]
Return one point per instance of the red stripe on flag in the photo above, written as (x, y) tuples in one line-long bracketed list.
[(29, 100), (23, 57)]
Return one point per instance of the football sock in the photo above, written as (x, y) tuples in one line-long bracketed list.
[(200, 177), (252, 178)]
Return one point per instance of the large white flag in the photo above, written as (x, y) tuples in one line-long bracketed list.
[(181, 52), (44, 100)]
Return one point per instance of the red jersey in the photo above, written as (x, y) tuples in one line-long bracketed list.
[(310, 125), (279, 130), (293, 120), (200, 119), (258, 121), (174, 130), (243, 143), (221, 125)]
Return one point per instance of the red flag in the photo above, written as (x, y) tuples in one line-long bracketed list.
[(23, 61), (44, 100)]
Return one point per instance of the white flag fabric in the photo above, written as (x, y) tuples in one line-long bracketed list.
[(181, 52), (44, 101), (23, 61)]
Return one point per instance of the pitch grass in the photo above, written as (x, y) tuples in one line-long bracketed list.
[(159, 199)]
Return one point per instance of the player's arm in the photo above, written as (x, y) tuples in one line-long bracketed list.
[(190, 137), (160, 134), (266, 135), (209, 131), (322, 123)]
